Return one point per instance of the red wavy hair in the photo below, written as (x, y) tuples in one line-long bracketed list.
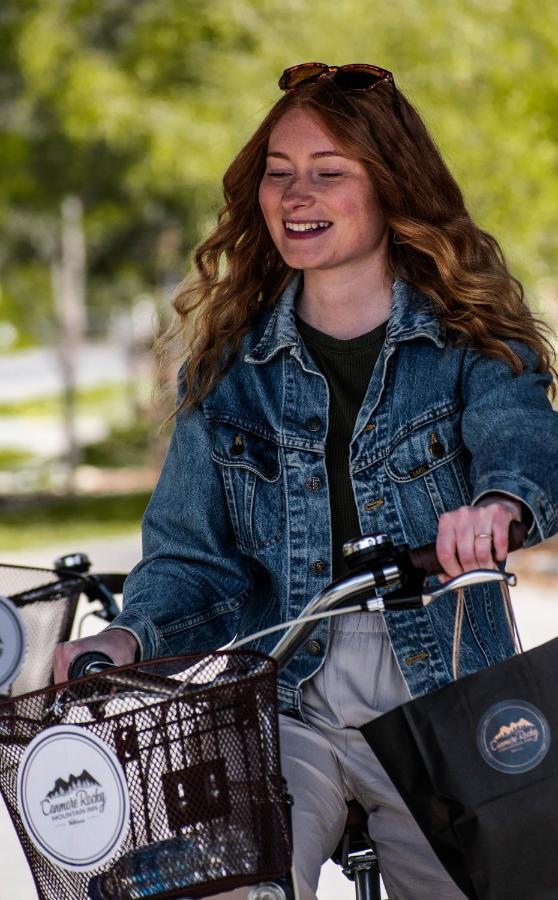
[(437, 247)]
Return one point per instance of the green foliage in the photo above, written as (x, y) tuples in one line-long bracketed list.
[(46, 520), (125, 445), (13, 459), (138, 107)]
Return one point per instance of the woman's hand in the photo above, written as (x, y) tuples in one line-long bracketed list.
[(117, 643), (476, 537)]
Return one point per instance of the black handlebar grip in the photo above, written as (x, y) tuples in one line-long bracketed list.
[(425, 559), (89, 663), (114, 581)]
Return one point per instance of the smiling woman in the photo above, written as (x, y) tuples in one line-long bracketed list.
[(362, 361)]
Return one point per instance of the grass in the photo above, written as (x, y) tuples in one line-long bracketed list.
[(101, 400), (14, 458), (67, 520)]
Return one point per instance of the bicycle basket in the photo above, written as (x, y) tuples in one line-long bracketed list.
[(197, 740), (47, 605)]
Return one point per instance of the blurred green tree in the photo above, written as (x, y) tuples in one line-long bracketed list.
[(135, 108)]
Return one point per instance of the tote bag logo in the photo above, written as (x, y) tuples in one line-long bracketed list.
[(513, 736), (73, 798)]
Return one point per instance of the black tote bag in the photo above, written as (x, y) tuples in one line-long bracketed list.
[(477, 764)]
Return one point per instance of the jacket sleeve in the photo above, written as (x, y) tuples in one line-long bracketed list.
[(511, 431), (187, 592)]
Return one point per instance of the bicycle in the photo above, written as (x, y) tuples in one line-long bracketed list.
[(375, 562), (45, 602)]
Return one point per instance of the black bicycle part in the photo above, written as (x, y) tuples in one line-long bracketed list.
[(91, 662), (73, 562), (377, 553), (356, 854)]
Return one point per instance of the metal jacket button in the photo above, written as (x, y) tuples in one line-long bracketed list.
[(237, 447), (313, 484), (435, 447), (314, 423), (318, 567), (314, 648)]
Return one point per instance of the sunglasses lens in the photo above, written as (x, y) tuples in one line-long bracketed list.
[(292, 78), (356, 79)]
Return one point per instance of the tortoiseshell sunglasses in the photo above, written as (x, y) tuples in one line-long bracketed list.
[(352, 77)]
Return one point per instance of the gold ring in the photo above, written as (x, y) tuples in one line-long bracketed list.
[(483, 536)]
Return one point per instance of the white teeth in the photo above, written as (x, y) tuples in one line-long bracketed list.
[(306, 226)]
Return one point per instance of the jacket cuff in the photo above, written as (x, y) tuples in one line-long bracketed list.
[(143, 630), (520, 488)]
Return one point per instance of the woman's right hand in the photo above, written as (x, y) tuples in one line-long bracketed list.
[(117, 643)]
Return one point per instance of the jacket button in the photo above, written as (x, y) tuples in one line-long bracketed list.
[(313, 484), (314, 423), (318, 567), (435, 447), (237, 447), (314, 648)]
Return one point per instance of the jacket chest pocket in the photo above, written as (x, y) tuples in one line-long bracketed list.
[(250, 466), (430, 461)]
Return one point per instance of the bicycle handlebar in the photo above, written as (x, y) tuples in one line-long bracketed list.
[(378, 564)]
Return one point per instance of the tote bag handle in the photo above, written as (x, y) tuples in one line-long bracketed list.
[(458, 625)]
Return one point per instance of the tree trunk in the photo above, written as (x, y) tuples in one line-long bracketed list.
[(68, 279)]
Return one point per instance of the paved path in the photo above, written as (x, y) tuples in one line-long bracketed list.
[(536, 605), (28, 374)]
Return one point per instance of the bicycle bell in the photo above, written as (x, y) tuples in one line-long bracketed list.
[(368, 548), (73, 562)]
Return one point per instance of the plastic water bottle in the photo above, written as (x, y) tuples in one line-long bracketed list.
[(267, 890), (177, 863)]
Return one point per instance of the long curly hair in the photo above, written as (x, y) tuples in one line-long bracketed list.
[(436, 246)]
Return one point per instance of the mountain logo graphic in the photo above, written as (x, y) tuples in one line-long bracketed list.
[(508, 735), (79, 795), (513, 736), (62, 788)]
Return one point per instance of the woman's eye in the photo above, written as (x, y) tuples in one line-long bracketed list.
[(277, 174), (330, 174)]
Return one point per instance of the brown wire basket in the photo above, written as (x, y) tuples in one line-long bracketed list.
[(197, 740)]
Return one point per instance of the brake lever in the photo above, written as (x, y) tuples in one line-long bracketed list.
[(468, 579)]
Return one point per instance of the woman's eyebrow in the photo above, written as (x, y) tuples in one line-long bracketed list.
[(318, 155)]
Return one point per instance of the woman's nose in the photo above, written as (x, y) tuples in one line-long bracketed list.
[(298, 193)]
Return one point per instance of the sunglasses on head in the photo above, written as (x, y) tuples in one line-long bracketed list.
[(353, 77)]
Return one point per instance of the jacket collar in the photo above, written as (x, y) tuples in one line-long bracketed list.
[(412, 315)]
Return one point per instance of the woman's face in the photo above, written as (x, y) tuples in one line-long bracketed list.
[(319, 205)]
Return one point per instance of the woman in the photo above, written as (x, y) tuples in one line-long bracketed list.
[(362, 361)]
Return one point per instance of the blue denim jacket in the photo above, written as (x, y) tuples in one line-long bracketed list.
[(232, 533)]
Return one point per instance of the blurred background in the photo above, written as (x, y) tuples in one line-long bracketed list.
[(117, 121)]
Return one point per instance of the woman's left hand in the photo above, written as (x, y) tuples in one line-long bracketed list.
[(476, 537)]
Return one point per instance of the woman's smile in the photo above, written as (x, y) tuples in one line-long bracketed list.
[(307, 229)]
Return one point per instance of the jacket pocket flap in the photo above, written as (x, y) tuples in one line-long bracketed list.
[(425, 448), (238, 447)]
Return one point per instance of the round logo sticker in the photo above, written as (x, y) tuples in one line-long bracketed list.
[(73, 798), (513, 736), (12, 642)]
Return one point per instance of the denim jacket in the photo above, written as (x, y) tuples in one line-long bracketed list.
[(237, 537)]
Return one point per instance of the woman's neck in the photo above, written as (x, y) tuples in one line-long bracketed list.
[(345, 305)]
